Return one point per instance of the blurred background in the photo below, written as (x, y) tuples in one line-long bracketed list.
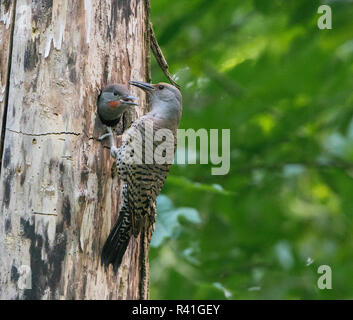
[(283, 87)]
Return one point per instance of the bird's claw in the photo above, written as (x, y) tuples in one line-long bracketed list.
[(114, 152), (104, 136), (113, 149)]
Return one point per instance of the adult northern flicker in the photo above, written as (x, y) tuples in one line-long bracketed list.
[(144, 176), (112, 102)]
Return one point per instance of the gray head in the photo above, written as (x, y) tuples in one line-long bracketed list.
[(113, 101), (166, 99), (116, 96)]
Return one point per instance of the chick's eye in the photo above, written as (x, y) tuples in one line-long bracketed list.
[(161, 87)]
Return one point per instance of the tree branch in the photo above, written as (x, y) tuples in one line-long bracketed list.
[(158, 54)]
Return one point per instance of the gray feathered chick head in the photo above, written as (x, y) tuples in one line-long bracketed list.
[(114, 100), (116, 96)]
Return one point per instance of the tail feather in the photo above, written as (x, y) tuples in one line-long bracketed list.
[(117, 241)]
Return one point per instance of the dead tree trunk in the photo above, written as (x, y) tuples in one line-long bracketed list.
[(57, 197)]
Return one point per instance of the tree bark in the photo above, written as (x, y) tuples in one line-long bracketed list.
[(58, 199)]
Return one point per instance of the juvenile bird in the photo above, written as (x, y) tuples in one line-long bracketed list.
[(112, 102), (144, 177)]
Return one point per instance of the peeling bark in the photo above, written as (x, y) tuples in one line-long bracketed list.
[(7, 13), (57, 197)]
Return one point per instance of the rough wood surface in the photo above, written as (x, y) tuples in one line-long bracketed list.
[(57, 197), (6, 28)]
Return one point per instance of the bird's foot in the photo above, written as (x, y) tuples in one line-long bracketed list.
[(104, 136), (114, 151), (113, 148)]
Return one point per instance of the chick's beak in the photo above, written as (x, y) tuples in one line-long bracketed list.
[(143, 85), (129, 100)]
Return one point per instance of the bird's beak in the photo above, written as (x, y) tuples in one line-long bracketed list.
[(129, 100), (143, 85)]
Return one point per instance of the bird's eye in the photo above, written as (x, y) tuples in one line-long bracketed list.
[(115, 93), (161, 87)]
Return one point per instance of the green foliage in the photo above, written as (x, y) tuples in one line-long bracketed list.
[(284, 88), (167, 224)]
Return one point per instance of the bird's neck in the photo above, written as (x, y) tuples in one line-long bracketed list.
[(166, 111)]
